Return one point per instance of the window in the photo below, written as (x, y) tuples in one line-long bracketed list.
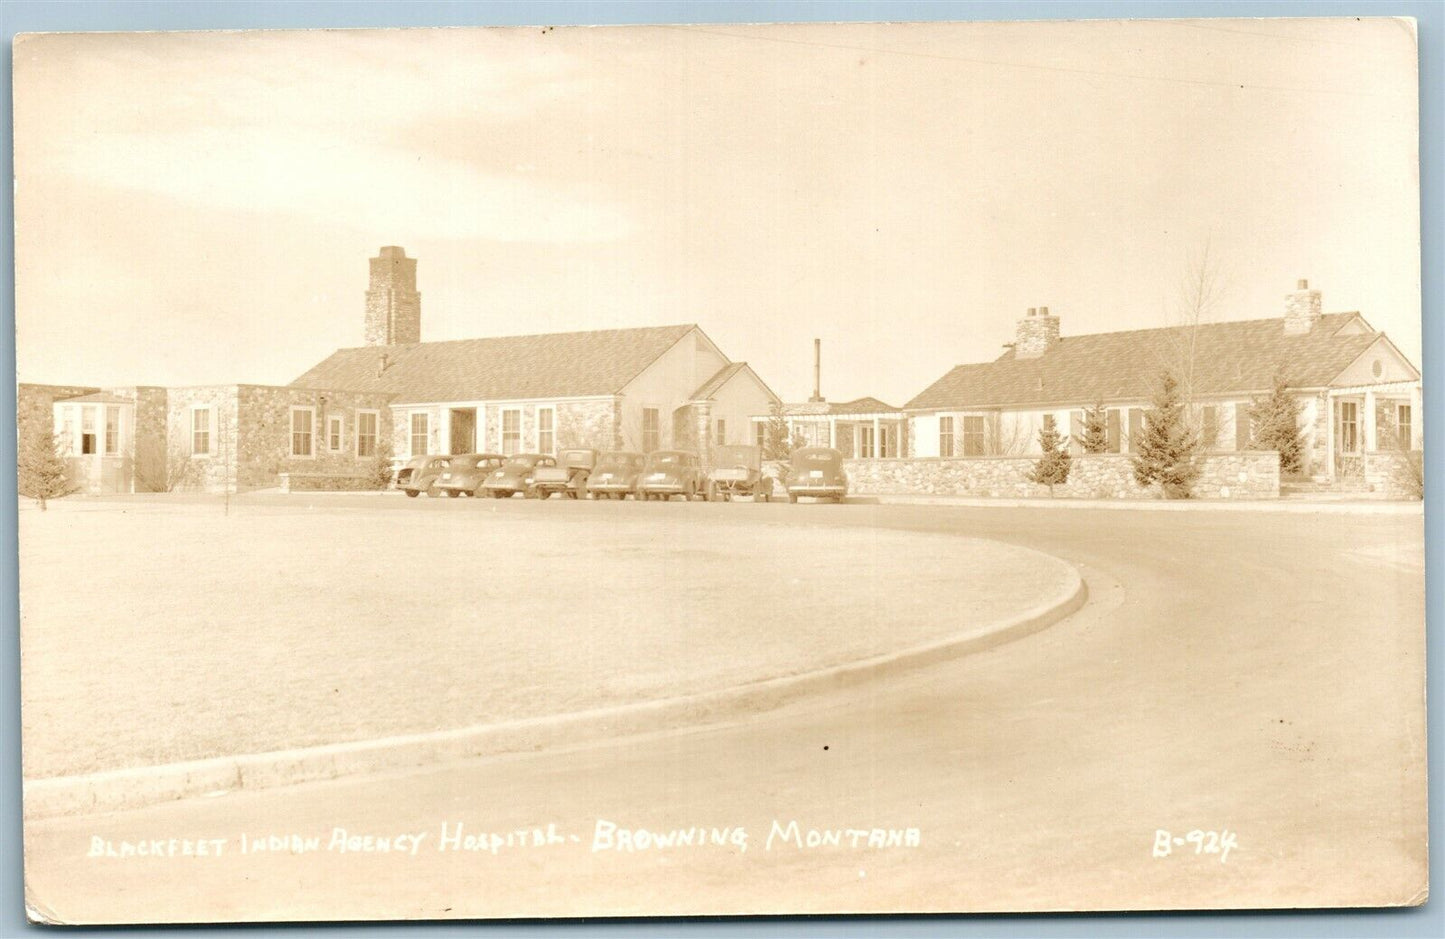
[(366, 428), (420, 433), (760, 434), (303, 421), (333, 433), (546, 430), (87, 430), (1243, 432), (722, 431), (1209, 427), (865, 441), (973, 435), (511, 431), (112, 430), (201, 431), (1349, 427), (1402, 426), (1113, 431), (651, 430), (67, 429), (945, 436)]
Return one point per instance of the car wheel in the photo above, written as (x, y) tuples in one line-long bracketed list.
[(412, 493), (792, 498), (619, 496), (763, 496), (453, 493)]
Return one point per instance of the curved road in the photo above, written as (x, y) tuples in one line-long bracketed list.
[(1255, 672)]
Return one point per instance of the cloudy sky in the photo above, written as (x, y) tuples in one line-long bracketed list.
[(197, 208)]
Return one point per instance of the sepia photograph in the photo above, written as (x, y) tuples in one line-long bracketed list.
[(720, 470)]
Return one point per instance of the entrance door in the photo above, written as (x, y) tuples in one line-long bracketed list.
[(463, 430), (1347, 438)]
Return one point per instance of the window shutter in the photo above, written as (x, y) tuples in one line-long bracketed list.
[(1136, 428), (1076, 432), (1241, 426), (1114, 431)]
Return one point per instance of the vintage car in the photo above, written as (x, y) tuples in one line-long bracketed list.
[(421, 474), (515, 475), (615, 475), (817, 471), (737, 470), (668, 473), (465, 474), (569, 475)]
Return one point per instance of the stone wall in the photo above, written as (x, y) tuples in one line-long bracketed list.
[(1249, 474), (590, 424), (265, 433), (213, 472), (1395, 474), (324, 482)]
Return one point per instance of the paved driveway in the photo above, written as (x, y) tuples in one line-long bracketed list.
[(1252, 672)]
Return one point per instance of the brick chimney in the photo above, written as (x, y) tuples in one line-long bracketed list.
[(1302, 309), (393, 306), (1037, 332)]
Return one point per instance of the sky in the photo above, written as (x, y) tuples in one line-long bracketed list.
[(196, 208)]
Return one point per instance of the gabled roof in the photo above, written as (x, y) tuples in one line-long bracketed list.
[(504, 368), (1238, 357), (866, 405), (713, 384)]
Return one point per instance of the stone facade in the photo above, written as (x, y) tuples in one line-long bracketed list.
[(250, 443), (1252, 474), (35, 406)]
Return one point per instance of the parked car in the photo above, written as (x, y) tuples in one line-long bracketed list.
[(737, 470), (615, 475), (817, 471), (668, 473), (569, 475), (465, 474), (421, 474), (515, 475)]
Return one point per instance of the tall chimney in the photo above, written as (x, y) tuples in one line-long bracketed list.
[(393, 305), (817, 370), (1036, 333), (1302, 309)]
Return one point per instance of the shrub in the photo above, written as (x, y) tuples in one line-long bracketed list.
[(1095, 438)]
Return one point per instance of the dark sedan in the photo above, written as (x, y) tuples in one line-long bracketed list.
[(515, 475), (465, 474), (817, 472), (669, 473)]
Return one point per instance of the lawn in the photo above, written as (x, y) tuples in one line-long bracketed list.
[(158, 631)]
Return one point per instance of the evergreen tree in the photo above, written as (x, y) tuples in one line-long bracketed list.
[(1166, 453), (778, 444), (1095, 437), (1052, 468), (40, 469), (1274, 425)]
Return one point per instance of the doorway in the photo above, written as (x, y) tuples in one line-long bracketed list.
[(463, 430)]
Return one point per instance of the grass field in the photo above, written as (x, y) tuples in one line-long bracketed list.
[(156, 632)]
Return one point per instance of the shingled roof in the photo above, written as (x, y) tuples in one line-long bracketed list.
[(867, 405), (1238, 357), (505, 368)]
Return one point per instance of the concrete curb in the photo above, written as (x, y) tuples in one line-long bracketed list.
[(1306, 506), (134, 788)]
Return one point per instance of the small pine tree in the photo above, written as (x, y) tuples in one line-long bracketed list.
[(379, 471), (1095, 438), (41, 468), (1274, 424), (778, 444), (1166, 452), (1052, 468)]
